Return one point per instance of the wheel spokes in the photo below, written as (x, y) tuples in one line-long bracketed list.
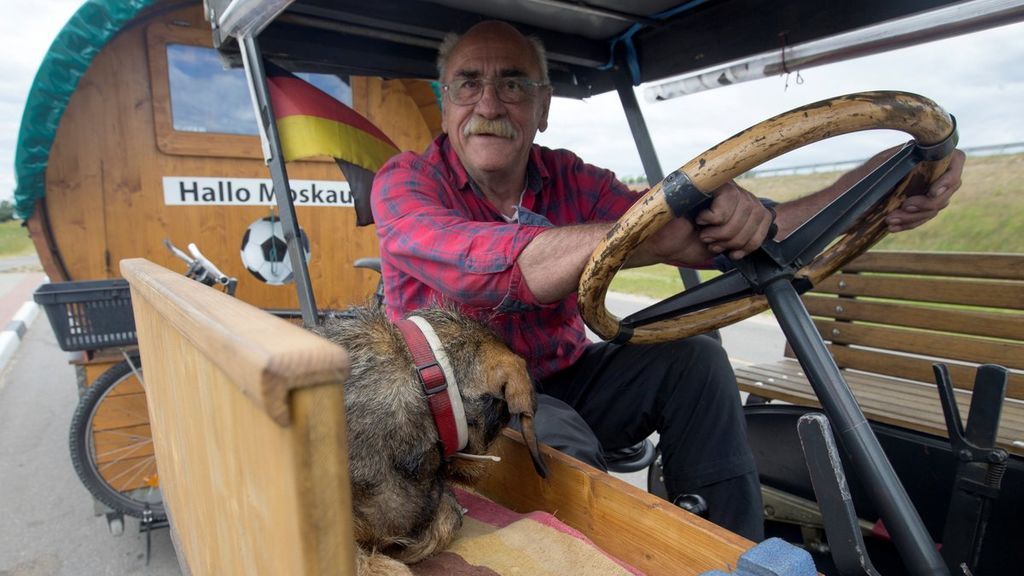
[(814, 235), (725, 288)]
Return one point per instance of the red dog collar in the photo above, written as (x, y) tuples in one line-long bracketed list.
[(435, 385)]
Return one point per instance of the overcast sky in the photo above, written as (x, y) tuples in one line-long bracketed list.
[(979, 78)]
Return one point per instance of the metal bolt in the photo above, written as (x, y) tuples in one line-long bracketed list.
[(964, 455), (836, 332), (840, 309), (997, 456), (842, 283), (769, 511)]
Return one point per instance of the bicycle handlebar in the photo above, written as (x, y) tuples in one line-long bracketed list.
[(201, 269), (218, 276), (174, 250)]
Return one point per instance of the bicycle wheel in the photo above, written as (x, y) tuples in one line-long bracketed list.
[(111, 443)]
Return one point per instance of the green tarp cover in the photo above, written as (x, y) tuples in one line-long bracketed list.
[(85, 34)]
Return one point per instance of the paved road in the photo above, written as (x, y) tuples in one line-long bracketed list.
[(49, 525), (753, 341)]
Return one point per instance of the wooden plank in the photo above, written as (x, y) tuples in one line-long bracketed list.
[(955, 264), (899, 395), (919, 369), (271, 361), (992, 294), (628, 523), (226, 460), (977, 322), (73, 179), (964, 348)]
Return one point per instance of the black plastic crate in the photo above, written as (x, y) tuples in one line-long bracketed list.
[(89, 315)]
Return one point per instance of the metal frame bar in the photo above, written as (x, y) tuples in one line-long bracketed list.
[(256, 76), (865, 455), (645, 146), (592, 10)]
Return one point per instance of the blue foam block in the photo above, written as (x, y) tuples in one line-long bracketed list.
[(773, 557)]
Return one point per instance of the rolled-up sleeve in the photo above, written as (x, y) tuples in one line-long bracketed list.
[(424, 233)]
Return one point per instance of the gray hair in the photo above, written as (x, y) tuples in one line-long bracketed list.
[(452, 39)]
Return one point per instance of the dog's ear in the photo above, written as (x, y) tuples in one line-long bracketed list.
[(521, 402)]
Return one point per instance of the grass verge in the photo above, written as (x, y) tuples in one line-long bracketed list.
[(14, 240)]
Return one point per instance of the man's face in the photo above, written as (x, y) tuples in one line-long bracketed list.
[(492, 136)]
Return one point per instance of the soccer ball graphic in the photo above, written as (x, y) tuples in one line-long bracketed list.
[(265, 253)]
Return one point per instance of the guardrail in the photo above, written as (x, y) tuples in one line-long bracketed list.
[(989, 150)]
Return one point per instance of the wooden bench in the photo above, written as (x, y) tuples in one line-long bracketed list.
[(888, 316), (249, 431)]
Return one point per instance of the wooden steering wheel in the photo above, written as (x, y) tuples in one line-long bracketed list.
[(806, 256)]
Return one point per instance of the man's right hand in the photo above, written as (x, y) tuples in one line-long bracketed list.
[(737, 222)]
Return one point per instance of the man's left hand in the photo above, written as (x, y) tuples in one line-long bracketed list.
[(917, 210)]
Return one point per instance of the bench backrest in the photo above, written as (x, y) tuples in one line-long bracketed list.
[(897, 313)]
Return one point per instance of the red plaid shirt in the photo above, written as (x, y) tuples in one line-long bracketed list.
[(443, 242)]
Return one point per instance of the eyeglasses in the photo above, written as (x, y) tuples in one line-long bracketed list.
[(510, 90)]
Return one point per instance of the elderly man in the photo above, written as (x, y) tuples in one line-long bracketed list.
[(502, 228)]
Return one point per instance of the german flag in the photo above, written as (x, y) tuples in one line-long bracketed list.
[(312, 123)]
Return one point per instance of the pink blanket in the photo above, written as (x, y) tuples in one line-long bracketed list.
[(496, 541)]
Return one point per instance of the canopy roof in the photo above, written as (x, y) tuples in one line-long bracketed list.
[(588, 42)]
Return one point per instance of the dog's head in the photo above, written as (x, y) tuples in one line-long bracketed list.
[(493, 381)]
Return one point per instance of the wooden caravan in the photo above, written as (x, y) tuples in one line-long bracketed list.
[(149, 137)]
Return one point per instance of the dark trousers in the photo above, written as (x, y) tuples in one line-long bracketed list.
[(686, 391)]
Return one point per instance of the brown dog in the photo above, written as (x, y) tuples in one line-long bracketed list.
[(402, 505)]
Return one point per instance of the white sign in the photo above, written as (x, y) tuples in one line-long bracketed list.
[(206, 191)]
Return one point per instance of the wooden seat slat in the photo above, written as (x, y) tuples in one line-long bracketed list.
[(965, 348), (955, 264), (896, 392), (916, 368), (974, 322), (882, 399), (970, 292)]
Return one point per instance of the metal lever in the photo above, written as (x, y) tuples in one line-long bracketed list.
[(833, 494), (980, 467)]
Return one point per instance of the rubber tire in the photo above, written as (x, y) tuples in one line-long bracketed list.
[(82, 457)]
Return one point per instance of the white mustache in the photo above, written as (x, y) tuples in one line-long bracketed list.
[(500, 127)]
